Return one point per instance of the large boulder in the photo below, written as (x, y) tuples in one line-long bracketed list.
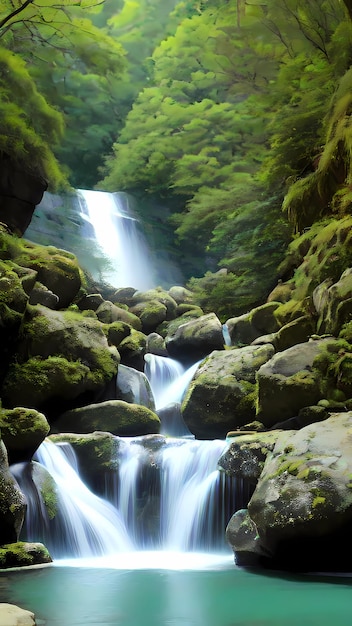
[(302, 506), (113, 416), (22, 430), (61, 355), (222, 393), (287, 382), (194, 340)]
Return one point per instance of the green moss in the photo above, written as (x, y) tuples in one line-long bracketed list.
[(318, 501), (50, 497)]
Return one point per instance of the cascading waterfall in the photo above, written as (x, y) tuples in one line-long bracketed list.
[(117, 233), (168, 379), (169, 496)]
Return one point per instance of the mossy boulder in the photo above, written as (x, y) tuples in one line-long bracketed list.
[(156, 295), (132, 350), (22, 430), (22, 554), (60, 355), (246, 454), (151, 313), (222, 394), (287, 382), (335, 304), (12, 502), (259, 321), (302, 505), (194, 340), (57, 269), (51, 384), (107, 312), (116, 332), (97, 455), (113, 416), (180, 295)]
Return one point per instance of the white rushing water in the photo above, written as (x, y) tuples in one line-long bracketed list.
[(120, 239), (168, 379), (169, 498)]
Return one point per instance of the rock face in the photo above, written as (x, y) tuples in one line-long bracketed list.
[(20, 192), (301, 509)]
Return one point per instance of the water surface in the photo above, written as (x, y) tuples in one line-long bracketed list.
[(213, 593)]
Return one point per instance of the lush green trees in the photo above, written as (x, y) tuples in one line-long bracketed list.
[(45, 46), (235, 111)]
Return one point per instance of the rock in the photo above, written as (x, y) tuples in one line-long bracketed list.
[(222, 393), (22, 430), (180, 294), (156, 344), (20, 192), (156, 295), (194, 340), (151, 313), (259, 321), (12, 615), (334, 303), (302, 505), (246, 454), (90, 301), (107, 312), (132, 350), (114, 416), (21, 554), (97, 455), (42, 295), (61, 355), (134, 387), (241, 532), (287, 382), (116, 332), (57, 270), (12, 502)]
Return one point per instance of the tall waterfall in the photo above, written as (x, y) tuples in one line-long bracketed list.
[(120, 238)]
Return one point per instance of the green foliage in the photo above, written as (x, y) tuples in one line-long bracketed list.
[(27, 123)]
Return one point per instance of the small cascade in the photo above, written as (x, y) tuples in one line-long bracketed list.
[(226, 335), (84, 524), (163, 374), (120, 239), (168, 379)]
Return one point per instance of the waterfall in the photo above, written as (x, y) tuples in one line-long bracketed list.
[(120, 239), (168, 496)]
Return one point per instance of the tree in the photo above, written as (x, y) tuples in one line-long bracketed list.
[(61, 46)]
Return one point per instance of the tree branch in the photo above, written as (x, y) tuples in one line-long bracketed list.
[(15, 12)]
